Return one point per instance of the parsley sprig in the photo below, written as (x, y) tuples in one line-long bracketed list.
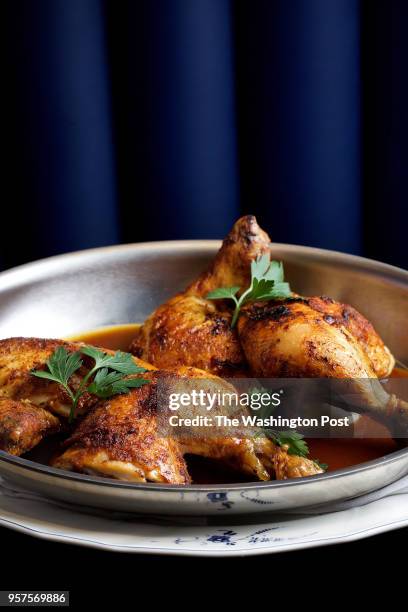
[(293, 440), (267, 283), (295, 443), (106, 378)]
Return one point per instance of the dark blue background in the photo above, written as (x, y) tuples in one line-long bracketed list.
[(165, 119)]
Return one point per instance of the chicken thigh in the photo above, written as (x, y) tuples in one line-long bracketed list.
[(291, 338), (126, 437), (191, 330), (30, 407), (299, 337), (344, 316)]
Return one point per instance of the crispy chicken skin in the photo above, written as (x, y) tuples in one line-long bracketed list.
[(345, 316), (118, 437), (254, 455), (18, 356), (190, 330), (23, 425), (291, 338), (301, 337), (121, 438)]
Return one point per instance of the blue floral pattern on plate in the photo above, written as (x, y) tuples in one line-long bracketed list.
[(31, 514)]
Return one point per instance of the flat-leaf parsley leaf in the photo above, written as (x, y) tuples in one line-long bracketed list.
[(267, 283), (106, 378)]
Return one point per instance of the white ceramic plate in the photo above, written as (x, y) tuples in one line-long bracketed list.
[(214, 537)]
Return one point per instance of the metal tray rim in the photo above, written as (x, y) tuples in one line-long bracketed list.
[(33, 466)]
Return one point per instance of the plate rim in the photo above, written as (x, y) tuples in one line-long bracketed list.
[(67, 538)]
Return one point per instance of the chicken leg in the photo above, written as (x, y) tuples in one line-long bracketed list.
[(291, 338), (121, 437), (193, 331), (316, 336)]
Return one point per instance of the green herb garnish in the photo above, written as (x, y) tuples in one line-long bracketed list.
[(321, 465), (292, 439), (295, 441), (109, 373), (267, 283)]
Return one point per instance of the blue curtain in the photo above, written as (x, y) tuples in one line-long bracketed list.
[(141, 120)]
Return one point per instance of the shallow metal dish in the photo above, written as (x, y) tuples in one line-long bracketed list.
[(65, 295)]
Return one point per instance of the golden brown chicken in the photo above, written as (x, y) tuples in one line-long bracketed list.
[(344, 316), (301, 337), (19, 356), (23, 425), (190, 330), (291, 338), (121, 437), (29, 405)]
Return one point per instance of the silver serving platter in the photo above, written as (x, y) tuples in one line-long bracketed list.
[(69, 294)]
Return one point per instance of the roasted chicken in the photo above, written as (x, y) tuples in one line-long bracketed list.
[(299, 337), (121, 437), (19, 356), (118, 438), (190, 330), (23, 425), (190, 340), (289, 338), (293, 339), (344, 316)]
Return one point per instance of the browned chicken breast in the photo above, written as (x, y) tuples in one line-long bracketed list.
[(23, 425), (190, 330), (291, 338), (122, 438)]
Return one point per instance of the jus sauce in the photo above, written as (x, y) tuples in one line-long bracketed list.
[(337, 453)]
